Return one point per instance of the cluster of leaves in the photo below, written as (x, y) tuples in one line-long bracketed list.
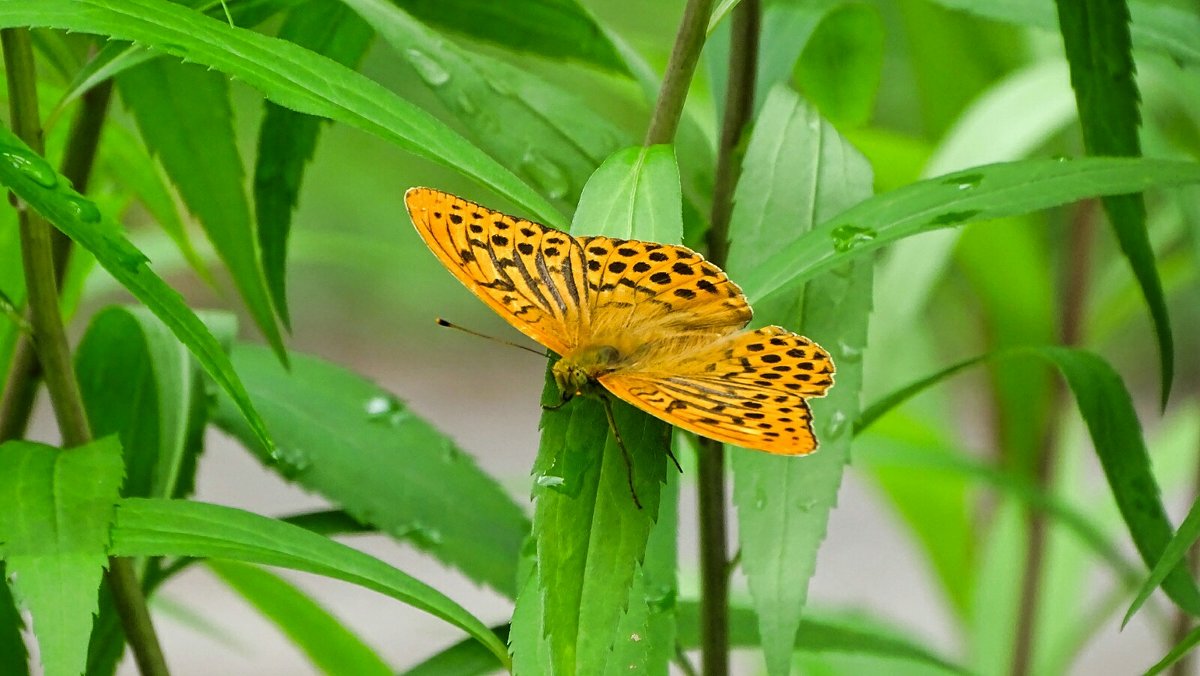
[(592, 576)]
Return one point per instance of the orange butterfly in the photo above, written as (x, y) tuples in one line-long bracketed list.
[(654, 324)]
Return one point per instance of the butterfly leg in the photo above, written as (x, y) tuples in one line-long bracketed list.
[(671, 455), (612, 423), (566, 397)]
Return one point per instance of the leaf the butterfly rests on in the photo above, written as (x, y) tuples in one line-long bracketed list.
[(654, 324)]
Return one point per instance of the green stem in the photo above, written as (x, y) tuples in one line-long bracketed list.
[(37, 252), (684, 56), (50, 342), (20, 388), (714, 555)]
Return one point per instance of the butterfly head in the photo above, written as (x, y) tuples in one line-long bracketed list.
[(576, 373)]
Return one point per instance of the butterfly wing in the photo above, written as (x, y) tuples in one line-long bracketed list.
[(659, 294), (531, 275), (749, 390)]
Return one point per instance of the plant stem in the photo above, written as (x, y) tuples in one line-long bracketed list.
[(37, 252), (1077, 264), (714, 555), (16, 402), (50, 342), (684, 56)]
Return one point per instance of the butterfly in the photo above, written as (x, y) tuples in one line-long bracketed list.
[(654, 324)]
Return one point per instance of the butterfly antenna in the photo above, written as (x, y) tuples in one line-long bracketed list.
[(612, 423), (449, 325)]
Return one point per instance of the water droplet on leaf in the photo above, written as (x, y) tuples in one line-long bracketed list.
[(549, 481), (847, 237), (549, 177), (835, 426), (82, 209), (848, 352), (290, 462), (34, 167), (429, 70)]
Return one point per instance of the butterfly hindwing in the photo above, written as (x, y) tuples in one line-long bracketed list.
[(528, 273), (748, 390)]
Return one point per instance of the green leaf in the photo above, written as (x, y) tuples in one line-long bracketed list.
[(285, 73), (1177, 651), (590, 534), (1171, 558), (186, 119), (634, 192), (287, 139), (151, 527), (797, 169), (140, 383), (33, 180), (840, 67), (342, 436), (329, 644), (1161, 26), (1107, 409), (1099, 51), (465, 658), (554, 29), (977, 194), (1013, 118), (58, 505), (646, 634), (832, 635), (549, 136), (14, 658), (125, 159)]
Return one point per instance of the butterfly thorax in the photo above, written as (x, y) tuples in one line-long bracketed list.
[(576, 373)]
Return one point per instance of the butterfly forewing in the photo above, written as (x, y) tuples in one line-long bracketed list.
[(749, 390), (528, 273), (658, 291)]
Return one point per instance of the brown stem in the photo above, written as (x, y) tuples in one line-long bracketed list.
[(50, 341), (1076, 263), (20, 388), (684, 56), (714, 554)]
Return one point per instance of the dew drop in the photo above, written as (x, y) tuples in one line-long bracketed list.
[(964, 181), (84, 210), (290, 462), (451, 453), (383, 408), (635, 637), (425, 536), (549, 481), (835, 426), (129, 257), (847, 237), (429, 70), (848, 352), (548, 176), (34, 167), (465, 104)]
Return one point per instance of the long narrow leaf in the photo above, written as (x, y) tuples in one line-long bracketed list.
[(34, 181), (1099, 51), (148, 527), (977, 194), (285, 73), (1106, 408)]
